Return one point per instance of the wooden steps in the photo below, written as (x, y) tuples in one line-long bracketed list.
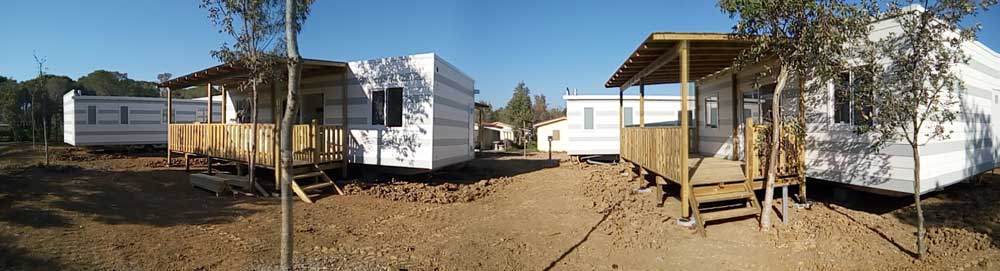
[(306, 192), (725, 201)]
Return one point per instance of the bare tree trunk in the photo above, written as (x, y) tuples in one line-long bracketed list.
[(921, 246), (294, 73), (252, 160), (33, 122), (45, 134), (772, 158)]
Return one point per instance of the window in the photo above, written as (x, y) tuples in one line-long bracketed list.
[(627, 116), (555, 134), (845, 109), (712, 111), (757, 104), (394, 107), (123, 115), (588, 118), (163, 115), (387, 107), (842, 100), (91, 115)]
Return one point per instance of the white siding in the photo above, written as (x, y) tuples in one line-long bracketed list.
[(603, 139), (835, 153), (544, 131), (146, 125), (453, 115), (407, 146)]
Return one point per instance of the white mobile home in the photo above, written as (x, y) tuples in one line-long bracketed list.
[(117, 120), (411, 111), (593, 124), (553, 130), (832, 150)]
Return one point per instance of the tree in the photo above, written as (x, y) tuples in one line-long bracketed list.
[(296, 12), (112, 83), (805, 37), (916, 67), (518, 111), (255, 25), (13, 100), (540, 109)]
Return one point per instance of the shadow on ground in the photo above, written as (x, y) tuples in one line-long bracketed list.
[(58, 196)]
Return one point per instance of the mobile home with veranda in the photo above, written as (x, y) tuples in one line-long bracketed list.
[(411, 113), (731, 121)]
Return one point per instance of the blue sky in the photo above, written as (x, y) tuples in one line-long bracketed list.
[(550, 45)]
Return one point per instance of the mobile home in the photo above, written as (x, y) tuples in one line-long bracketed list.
[(118, 120), (593, 124), (411, 112), (726, 164), (551, 133)]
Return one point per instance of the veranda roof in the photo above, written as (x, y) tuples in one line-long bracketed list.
[(657, 61), (231, 73)]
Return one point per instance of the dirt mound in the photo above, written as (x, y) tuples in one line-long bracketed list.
[(427, 192), (629, 215), (81, 155)]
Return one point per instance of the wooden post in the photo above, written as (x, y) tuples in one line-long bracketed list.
[(685, 178), (621, 124), (642, 103), (751, 157), (802, 142), (208, 115), (697, 120), (170, 119), (225, 98), (276, 150), (316, 141), (737, 107), (344, 123)]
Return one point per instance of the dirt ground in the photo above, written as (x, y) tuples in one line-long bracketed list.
[(125, 211)]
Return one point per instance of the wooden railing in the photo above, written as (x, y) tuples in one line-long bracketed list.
[(659, 149), (311, 143), (757, 144)]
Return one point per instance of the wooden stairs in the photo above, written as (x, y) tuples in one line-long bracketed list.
[(722, 201), (309, 184)]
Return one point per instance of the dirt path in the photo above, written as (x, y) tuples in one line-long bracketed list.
[(125, 212)]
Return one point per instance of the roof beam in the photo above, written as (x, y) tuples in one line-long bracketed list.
[(665, 58)]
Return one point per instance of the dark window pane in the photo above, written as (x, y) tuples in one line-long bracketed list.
[(91, 115), (394, 107), (123, 115), (842, 99), (378, 107)]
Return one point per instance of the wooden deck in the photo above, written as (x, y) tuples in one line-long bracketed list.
[(311, 143), (704, 180)]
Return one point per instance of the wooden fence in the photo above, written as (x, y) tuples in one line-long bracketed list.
[(757, 144), (311, 143), (659, 149)]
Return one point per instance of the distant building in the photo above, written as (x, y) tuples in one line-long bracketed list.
[(554, 129)]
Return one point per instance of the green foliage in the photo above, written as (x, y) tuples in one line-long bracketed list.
[(540, 108), (518, 111), (256, 26), (916, 68), (112, 83)]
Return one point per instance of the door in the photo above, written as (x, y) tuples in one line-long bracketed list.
[(312, 108)]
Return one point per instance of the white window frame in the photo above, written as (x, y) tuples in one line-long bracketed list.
[(712, 110)]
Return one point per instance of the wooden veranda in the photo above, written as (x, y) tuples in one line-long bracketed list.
[(712, 188), (316, 147)]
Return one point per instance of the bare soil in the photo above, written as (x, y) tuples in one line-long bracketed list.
[(125, 211)]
